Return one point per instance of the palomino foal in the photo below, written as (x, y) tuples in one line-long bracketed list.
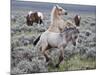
[(57, 22)]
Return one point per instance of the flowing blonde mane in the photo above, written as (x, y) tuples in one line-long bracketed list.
[(69, 24), (53, 14)]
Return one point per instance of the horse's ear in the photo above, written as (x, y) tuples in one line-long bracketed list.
[(57, 6)]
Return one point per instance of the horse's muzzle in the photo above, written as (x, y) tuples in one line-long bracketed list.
[(66, 13)]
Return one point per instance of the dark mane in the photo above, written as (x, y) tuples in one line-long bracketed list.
[(72, 29)]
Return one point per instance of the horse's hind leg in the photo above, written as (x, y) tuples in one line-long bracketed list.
[(47, 56), (45, 52), (61, 57)]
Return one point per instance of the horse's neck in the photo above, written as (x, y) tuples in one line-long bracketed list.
[(56, 25), (55, 18), (59, 20)]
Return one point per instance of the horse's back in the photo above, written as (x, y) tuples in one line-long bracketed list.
[(40, 15), (51, 38), (30, 12)]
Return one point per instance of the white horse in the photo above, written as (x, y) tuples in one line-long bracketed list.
[(57, 40), (54, 37)]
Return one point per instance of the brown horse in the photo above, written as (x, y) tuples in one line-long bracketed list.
[(73, 23), (77, 19), (34, 17)]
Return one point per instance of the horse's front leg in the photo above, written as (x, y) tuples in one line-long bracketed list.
[(31, 23), (41, 21), (61, 57)]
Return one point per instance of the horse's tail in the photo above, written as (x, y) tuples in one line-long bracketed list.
[(36, 41)]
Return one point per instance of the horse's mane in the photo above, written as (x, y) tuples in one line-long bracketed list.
[(73, 29), (52, 14)]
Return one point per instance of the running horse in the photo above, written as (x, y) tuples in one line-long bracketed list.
[(57, 35)]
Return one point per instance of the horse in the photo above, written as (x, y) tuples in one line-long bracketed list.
[(34, 17), (77, 19), (75, 22), (68, 24), (57, 22), (13, 18), (57, 35), (50, 40)]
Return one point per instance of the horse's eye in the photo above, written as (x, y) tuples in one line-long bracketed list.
[(60, 9)]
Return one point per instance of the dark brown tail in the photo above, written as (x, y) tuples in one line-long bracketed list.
[(36, 41)]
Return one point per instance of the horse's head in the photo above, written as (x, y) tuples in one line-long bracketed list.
[(72, 35), (57, 11), (60, 10), (77, 19)]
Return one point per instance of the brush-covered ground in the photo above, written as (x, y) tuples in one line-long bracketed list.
[(26, 59)]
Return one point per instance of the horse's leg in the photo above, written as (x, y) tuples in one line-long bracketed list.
[(61, 57), (45, 51), (46, 55), (41, 21), (28, 22), (37, 21), (31, 23)]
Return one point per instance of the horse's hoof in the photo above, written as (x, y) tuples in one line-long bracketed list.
[(48, 60), (57, 66)]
